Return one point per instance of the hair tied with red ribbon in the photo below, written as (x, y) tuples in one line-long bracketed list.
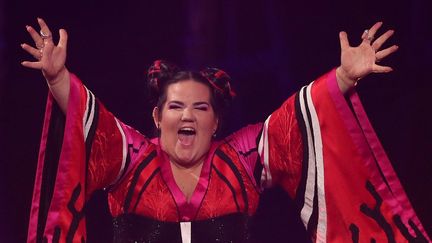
[(219, 80), (159, 72), (153, 74)]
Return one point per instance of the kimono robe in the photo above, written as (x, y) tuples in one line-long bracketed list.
[(319, 148)]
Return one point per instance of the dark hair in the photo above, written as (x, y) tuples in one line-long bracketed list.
[(162, 73)]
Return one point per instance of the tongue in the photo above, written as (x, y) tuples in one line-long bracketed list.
[(186, 139)]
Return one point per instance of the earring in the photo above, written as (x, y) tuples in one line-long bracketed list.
[(158, 130)]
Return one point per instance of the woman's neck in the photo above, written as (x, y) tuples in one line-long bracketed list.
[(187, 166), (187, 178)]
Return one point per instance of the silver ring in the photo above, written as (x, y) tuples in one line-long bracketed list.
[(366, 36), (44, 36)]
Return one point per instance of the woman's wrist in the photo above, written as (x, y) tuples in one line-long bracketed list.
[(59, 88), (344, 82), (61, 77)]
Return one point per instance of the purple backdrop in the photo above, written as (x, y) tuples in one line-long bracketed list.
[(269, 47)]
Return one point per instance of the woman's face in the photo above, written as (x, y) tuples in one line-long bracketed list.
[(187, 122)]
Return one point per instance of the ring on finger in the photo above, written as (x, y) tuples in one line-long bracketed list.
[(366, 36), (44, 36)]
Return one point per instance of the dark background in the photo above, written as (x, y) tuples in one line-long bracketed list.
[(269, 47)]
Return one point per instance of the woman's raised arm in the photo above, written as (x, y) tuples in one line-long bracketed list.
[(50, 59)]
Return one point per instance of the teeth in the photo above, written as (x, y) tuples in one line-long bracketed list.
[(187, 131)]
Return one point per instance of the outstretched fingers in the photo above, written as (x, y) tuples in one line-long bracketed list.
[(63, 38), (380, 55), (381, 69), (36, 53), (343, 39), (44, 32), (34, 65), (50, 57), (39, 43), (368, 35), (376, 45)]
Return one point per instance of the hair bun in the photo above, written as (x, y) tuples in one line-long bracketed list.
[(158, 73), (220, 80)]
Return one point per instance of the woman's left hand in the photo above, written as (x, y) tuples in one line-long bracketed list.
[(359, 61)]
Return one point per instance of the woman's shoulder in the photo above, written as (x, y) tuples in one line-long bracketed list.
[(249, 132), (246, 138)]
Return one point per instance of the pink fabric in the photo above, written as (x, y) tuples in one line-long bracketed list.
[(32, 230), (67, 157), (396, 188), (64, 168), (187, 210), (243, 141), (134, 138), (370, 148)]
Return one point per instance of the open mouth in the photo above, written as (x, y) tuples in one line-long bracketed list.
[(187, 131), (186, 135)]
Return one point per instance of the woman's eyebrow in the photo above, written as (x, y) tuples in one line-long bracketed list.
[(175, 102), (201, 103)]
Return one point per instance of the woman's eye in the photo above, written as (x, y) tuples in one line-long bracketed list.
[(171, 107), (202, 108)]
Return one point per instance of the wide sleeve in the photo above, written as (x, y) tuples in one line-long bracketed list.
[(81, 151), (320, 147)]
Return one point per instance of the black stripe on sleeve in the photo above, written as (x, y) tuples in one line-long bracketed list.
[(130, 149), (49, 172), (299, 199), (258, 165), (145, 187), (135, 178), (237, 174), (90, 104), (313, 221), (91, 133), (309, 117), (229, 185)]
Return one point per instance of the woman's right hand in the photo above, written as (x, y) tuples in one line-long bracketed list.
[(50, 59)]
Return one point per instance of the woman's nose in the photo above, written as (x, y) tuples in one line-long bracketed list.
[(188, 115)]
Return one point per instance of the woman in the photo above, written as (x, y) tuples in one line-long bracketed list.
[(185, 186)]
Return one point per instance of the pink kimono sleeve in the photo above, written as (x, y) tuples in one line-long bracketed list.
[(329, 159), (85, 150)]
